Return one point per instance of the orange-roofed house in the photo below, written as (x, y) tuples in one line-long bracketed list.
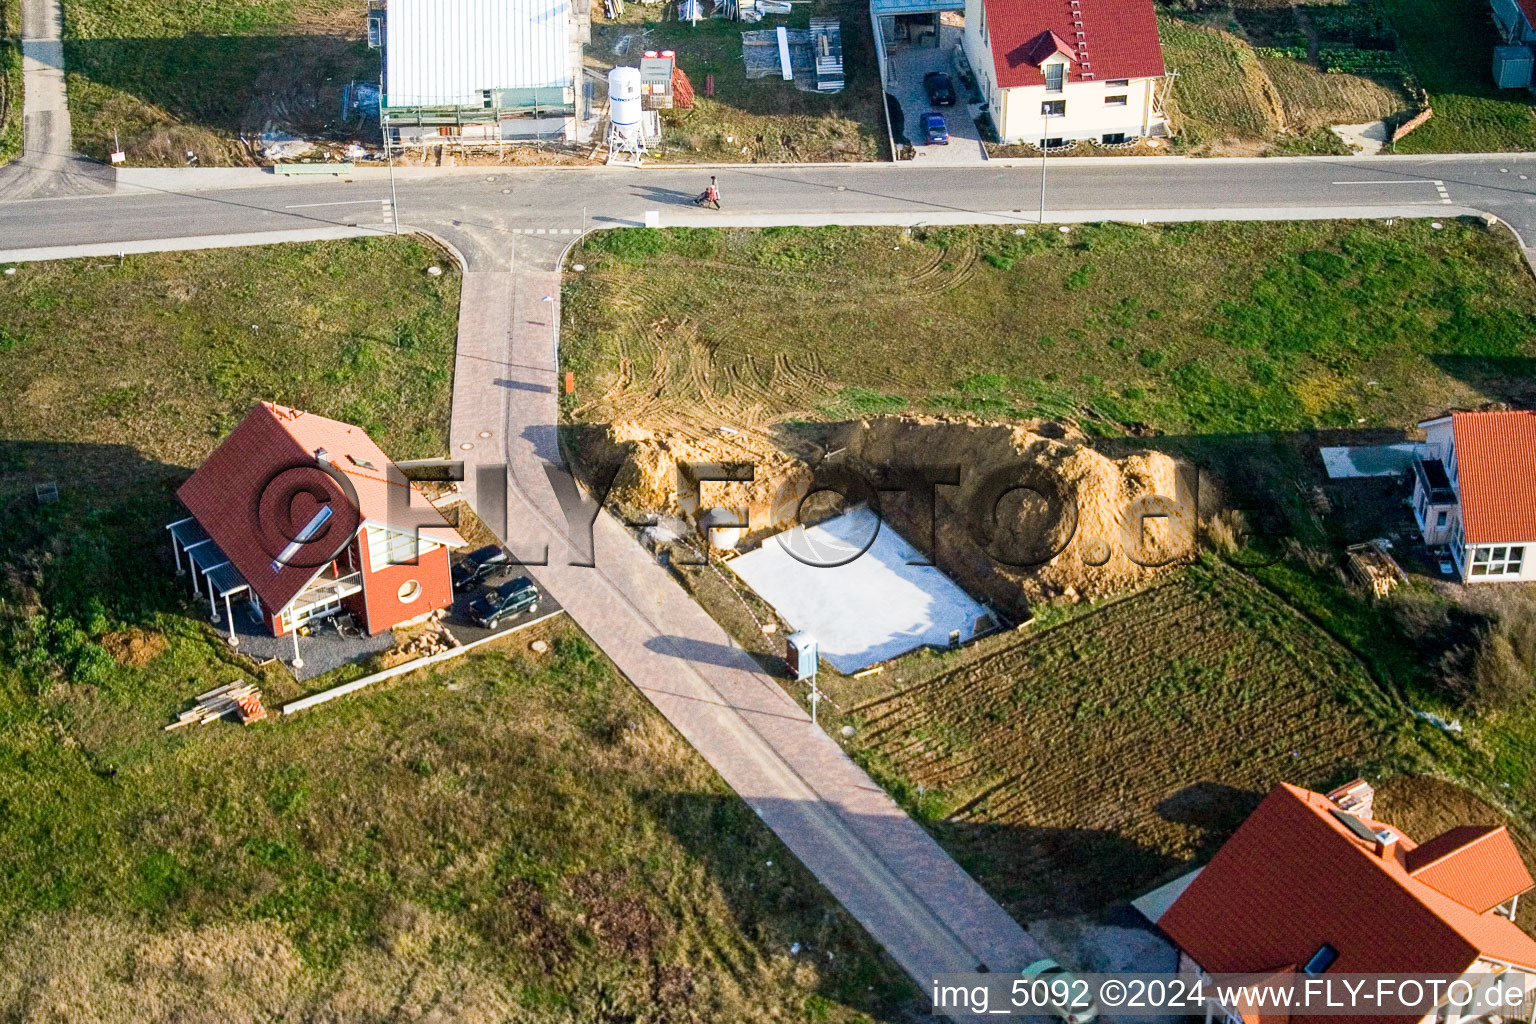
[(1475, 492), (305, 517), (1312, 884)]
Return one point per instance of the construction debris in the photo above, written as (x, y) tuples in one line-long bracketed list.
[(413, 646), (1373, 568), (827, 46), (243, 699), (815, 54)]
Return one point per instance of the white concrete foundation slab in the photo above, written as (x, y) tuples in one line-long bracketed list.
[(1369, 460), (872, 607)]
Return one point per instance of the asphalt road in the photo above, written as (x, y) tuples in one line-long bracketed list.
[(482, 212)]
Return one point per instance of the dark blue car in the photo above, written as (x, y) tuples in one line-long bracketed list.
[(935, 131)]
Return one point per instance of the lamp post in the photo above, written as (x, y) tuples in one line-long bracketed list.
[(1045, 123)]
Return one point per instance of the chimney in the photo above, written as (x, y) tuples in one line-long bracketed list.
[(1386, 843), (322, 456)]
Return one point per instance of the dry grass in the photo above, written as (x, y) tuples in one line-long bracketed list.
[(1222, 98), (1312, 99), (514, 836)]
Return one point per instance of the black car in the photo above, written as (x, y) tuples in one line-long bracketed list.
[(941, 91), (478, 565), (497, 603)]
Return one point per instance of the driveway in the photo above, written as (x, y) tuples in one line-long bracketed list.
[(904, 69)]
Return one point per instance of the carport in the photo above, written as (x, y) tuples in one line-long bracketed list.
[(910, 41)]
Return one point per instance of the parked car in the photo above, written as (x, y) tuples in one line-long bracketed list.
[(498, 603), (1066, 995), (941, 91), (935, 131), (479, 565)]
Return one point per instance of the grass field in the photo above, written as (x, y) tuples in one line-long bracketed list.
[(10, 80), (512, 836), (172, 76), (1231, 100), (1194, 328), (1072, 767), (151, 359), (763, 119), (1450, 43)]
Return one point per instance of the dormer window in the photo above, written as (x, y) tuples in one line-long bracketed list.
[(1055, 74)]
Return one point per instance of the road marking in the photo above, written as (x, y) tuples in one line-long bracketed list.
[(1445, 197), (339, 202)]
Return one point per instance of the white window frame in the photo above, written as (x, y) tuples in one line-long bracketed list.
[(1045, 106), (1118, 100), (1060, 70)]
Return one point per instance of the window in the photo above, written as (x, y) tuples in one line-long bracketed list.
[(392, 547), (981, 27), (1117, 83), (1440, 520), (1054, 75), (1053, 108), (1498, 561), (1115, 101), (1321, 960), (1055, 143), (409, 591), (1113, 138)]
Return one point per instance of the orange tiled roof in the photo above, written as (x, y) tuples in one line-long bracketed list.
[(1475, 865), (1496, 473), (1294, 877), (262, 485)]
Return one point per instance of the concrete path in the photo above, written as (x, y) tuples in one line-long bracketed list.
[(48, 166), (907, 892)]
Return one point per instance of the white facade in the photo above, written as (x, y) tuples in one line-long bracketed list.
[(1106, 110), (1509, 561)]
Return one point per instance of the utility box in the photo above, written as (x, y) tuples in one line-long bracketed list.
[(801, 655), (1512, 66)]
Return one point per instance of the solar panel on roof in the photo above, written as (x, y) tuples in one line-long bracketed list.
[(1321, 960), (1361, 830)]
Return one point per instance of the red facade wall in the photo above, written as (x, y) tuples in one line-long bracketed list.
[(382, 608)]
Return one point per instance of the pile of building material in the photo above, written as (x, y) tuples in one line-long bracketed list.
[(423, 644), (1373, 568), (750, 10), (827, 48), (763, 53), (242, 699)]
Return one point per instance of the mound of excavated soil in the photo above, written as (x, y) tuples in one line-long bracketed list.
[(1030, 516)]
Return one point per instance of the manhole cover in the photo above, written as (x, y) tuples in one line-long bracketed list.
[(467, 445), (485, 433)]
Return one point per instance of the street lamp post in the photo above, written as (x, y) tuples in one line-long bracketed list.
[(1045, 131)]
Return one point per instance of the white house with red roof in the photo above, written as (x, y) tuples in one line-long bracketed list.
[(1314, 885), (1061, 70), (1475, 493), (305, 517)]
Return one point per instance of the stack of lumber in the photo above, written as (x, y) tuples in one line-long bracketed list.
[(242, 699), (1373, 568)]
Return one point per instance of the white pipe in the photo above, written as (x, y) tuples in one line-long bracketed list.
[(229, 620)]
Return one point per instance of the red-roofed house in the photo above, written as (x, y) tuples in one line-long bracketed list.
[(1475, 491), (1308, 886), (1060, 70), (305, 517)]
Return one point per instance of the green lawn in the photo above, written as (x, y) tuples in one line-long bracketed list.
[(1190, 328), (176, 75), (513, 836), (112, 365), (1450, 43), (10, 80)]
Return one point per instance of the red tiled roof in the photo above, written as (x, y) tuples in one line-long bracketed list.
[(1118, 39), (1475, 865), (262, 485), (1528, 8), (1496, 473), (1294, 877)]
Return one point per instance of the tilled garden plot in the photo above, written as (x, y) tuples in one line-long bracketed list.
[(1079, 766)]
